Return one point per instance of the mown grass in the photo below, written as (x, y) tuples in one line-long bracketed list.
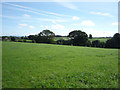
[(31, 65)]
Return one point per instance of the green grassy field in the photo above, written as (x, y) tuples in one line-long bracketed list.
[(100, 39), (93, 39), (31, 65), (61, 38)]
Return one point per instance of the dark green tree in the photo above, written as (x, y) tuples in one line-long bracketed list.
[(31, 37), (114, 42), (90, 36), (13, 38), (96, 43), (78, 37), (88, 43), (46, 36), (102, 44)]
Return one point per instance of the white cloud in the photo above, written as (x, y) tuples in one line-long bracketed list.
[(28, 18), (31, 27), (36, 11), (87, 23), (75, 18), (99, 32), (67, 4), (57, 27), (115, 23), (44, 26), (26, 15), (101, 13), (53, 20), (23, 25), (26, 25)]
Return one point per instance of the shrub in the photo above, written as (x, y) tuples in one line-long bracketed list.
[(19, 40), (13, 39), (96, 43), (24, 40)]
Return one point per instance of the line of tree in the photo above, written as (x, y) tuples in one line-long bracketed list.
[(76, 38)]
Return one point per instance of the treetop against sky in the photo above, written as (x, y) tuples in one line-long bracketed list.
[(26, 18)]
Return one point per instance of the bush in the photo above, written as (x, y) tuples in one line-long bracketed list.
[(114, 42), (60, 42), (102, 44), (67, 42), (13, 39), (96, 43), (19, 40), (33, 41), (88, 43), (24, 40)]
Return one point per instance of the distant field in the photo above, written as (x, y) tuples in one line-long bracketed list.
[(67, 38), (101, 39), (31, 65), (59, 38)]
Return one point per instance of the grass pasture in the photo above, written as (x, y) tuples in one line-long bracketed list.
[(93, 39), (31, 65), (100, 39), (61, 38)]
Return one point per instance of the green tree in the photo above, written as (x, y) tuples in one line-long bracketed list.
[(13, 38), (78, 37), (102, 44), (90, 36), (88, 43), (96, 43), (46, 36), (114, 42), (31, 37)]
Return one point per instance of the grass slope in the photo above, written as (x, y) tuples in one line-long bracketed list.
[(30, 65)]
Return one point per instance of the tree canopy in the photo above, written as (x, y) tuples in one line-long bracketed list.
[(90, 36), (114, 42), (78, 37), (46, 36), (46, 33)]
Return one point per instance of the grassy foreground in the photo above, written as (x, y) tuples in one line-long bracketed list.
[(30, 65)]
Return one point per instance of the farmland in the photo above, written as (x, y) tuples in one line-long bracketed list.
[(31, 65), (100, 39), (93, 39)]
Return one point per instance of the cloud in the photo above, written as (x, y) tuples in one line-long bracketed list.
[(31, 27), (101, 13), (28, 18), (87, 23), (98, 32), (67, 4), (44, 26), (36, 11), (57, 20), (53, 27), (57, 27), (54, 19), (23, 25), (75, 18), (26, 15), (115, 23), (26, 25)]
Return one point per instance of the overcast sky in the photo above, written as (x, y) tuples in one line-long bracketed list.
[(29, 18)]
